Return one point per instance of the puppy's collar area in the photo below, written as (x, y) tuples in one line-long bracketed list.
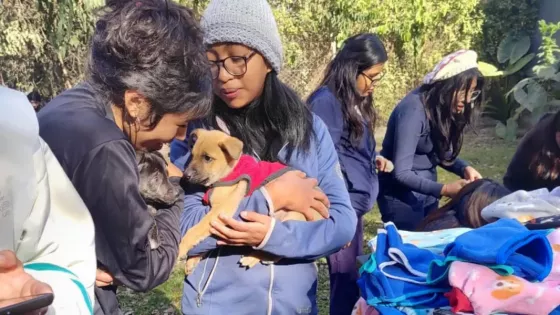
[(256, 173)]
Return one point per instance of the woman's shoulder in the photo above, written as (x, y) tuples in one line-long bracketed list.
[(73, 124), (77, 114), (323, 97), (412, 102)]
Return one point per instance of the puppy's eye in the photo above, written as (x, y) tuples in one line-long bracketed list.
[(207, 158)]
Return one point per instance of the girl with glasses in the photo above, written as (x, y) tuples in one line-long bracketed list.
[(344, 101), (425, 130), (252, 104)]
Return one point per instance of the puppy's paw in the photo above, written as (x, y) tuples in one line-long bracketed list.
[(249, 261), (191, 264)]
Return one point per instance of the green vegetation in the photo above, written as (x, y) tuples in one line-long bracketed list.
[(44, 43)]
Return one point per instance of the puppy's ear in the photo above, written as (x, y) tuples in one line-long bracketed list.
[(232, 147), (195, 134)]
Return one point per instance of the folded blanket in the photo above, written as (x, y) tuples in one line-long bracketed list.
[(504, 242), (524, 205), (489, 292), (434, 241), (396, 274)]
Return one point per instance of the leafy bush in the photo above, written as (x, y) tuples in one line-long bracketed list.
[(45, 47), (513, 53), (539, 93)]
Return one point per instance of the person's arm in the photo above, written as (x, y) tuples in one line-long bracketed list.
[(107, 179), (64, 260), (44, 221), (408, 128), (312, 240), (457, 168)]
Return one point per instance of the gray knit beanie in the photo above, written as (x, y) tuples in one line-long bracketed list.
[(247, 22)]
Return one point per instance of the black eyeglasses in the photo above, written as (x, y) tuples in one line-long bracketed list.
[(374, 81), (234, 65)]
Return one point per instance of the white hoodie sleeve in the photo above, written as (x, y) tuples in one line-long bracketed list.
[(53, 233)]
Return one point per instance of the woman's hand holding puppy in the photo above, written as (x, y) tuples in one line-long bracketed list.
[(292, 191), (295, 192), (238, 233)]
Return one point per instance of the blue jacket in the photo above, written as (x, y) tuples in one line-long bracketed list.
[(357, 161), (408, 144), (220, 286)]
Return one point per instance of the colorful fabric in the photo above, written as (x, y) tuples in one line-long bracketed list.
[(257, 173), (489, 292), (396, 275), (362, 308), (524, 205), (513, 248), (459, 301), (435, 241)]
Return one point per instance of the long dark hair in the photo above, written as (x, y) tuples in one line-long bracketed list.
[(277, 118), (154, 47), (545, 163), (467, 205), (358, 53), (446, 126)]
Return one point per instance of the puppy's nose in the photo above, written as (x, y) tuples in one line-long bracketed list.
[(188, 174)]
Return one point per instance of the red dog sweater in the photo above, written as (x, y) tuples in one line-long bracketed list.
[(257, 173)]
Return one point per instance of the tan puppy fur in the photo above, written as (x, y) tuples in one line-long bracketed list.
[(214, 155)]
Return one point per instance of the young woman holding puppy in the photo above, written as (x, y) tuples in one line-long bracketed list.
[(344, 101), (252, 104), (425, 130), (148, 76)]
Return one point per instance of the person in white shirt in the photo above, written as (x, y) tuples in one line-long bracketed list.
[(46, 232)]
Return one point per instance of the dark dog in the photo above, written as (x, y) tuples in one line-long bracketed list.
[(155, 187)]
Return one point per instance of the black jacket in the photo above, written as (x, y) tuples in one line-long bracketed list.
[(101, 163)]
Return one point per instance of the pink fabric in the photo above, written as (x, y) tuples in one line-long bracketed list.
[(362, 308), (553, 279), (257, 172), (459, 301), (489, 292)]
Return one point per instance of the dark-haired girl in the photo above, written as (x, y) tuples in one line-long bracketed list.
[(252, 104), (425, 130), (344, 101), (536, 163), (464, 210), (148, 76)]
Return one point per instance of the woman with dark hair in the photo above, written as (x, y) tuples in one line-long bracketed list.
[(536, 163), (464, 210), (252, 104), (147, 77), (425, 130), (344, 101), (35, 99)]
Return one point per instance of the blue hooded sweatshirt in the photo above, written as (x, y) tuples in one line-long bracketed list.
[(218, 285)]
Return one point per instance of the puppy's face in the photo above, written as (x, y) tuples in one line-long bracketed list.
[(214, 155), (155, 186)]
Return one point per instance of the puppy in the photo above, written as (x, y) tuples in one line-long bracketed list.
[(218, 163), (155, 187)]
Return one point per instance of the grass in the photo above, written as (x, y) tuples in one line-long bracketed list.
[(487, 154)]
